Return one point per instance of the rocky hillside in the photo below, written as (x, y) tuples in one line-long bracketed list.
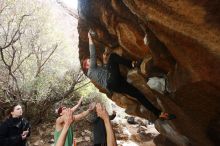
[(181, 39)]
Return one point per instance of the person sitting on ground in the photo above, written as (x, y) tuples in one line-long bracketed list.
[(102, 113), (15, 129), (99, 131), (110, 78), (60, 123)]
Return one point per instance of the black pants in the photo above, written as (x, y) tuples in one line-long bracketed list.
[(117, 83)]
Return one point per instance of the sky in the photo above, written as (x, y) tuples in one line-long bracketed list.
[(66, 26), (71, 3)]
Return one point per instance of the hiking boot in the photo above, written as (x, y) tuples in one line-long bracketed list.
[(166, 116)]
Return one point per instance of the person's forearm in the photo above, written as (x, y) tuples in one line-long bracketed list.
[(92, 51), (85, 113), (111, 141), (81, 115), (62, 138), (76, 106)]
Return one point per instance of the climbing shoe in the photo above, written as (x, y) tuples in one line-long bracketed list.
[(166, 116)]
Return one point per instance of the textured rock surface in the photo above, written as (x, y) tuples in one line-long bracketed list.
[(181, 38)]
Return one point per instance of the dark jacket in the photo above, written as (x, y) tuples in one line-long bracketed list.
[(11, 130), (99, 130)]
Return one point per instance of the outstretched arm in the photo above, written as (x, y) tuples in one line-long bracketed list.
[(81, 115), (102, 113), (90, 38), (73, 109), (85, 113), (111, 141), (92, 51)]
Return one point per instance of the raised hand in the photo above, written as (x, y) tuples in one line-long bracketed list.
[(80, 100), (92, 106), (101, 112), (68, 117), (89, 36)]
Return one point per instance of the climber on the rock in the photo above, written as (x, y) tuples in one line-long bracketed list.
[(109, 77)]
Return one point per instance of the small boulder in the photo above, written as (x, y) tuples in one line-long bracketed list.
[(131, 120)]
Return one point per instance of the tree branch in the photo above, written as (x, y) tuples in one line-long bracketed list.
[(82, 85), (17, 33), (3, 9), (20, 63), (40, 66)]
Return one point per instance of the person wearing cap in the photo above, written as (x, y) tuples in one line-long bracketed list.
[(60, 122), (109, 77)]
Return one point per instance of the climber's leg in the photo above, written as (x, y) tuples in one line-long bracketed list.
[(115, 60), (134, 92)]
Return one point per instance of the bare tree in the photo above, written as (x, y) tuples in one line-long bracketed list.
[(26, 55), (53, 96), (16, 33), (41, 60), (11, 34), (13, 51)]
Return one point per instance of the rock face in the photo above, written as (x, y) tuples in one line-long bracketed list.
[(180, 39)]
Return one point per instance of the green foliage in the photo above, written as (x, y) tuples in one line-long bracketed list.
[(36, 76), (86, 90), (35, 66)]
